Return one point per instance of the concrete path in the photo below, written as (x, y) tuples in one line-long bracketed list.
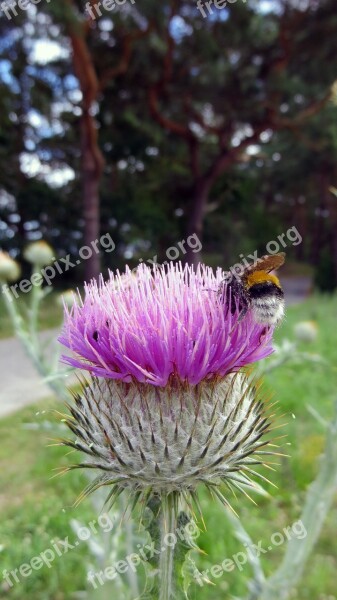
[(21, 385)]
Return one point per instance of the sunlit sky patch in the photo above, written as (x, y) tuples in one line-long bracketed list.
[(55, 177), (179, 28), (44, 51)]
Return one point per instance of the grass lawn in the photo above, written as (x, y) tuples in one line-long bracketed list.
[(36, 509)]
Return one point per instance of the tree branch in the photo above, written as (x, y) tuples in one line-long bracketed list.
[(123, 65), (230, 156), (86, 74), (172, 126), (156, 91), (310, 111)]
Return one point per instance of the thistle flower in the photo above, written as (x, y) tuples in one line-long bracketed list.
[(9, 268), (161, 324), (168, 406), (39, 254)]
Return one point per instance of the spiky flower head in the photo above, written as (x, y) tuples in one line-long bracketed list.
[(168, 406), (39, 253), (141, 437)]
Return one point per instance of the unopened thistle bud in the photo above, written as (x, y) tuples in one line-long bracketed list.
[(39, 254), (306, 331), (67, 298), (9, 268)]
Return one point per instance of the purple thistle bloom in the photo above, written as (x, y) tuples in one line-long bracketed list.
[(161, 323)]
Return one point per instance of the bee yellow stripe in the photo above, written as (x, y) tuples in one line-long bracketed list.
[(261, 277)]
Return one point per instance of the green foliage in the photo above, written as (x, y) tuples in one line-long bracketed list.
[(325, 276)]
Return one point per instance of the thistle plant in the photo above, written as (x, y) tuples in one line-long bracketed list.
[(25, 316), (127, 328), (170, 406)]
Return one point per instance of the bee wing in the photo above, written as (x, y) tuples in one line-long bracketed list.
[(268, 263)]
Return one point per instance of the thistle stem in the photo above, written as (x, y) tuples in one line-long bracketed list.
[(171, 544), (167, 548), (132, 576)]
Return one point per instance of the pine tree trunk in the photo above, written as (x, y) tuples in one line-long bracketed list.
[(91, 168), (195, 223), (92, 160)]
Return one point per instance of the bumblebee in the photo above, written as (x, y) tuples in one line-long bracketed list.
[(257, 290)]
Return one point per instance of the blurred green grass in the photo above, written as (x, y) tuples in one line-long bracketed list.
[(36, 509)]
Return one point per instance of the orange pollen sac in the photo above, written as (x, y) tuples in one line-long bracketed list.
[(261, 277)]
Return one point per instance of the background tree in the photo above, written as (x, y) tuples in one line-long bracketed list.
[(223, 84), (177, 123)]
